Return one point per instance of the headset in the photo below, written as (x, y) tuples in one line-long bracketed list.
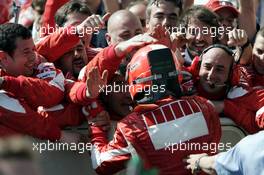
[(231, 53)]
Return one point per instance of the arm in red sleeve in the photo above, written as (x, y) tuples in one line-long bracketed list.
[(105, 60), (48, 19), (18, 116), (108, 157), (46, 90), (242, 117), (67, 114), (54, 46)]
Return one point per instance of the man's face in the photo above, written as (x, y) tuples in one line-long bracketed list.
[(74, 60), (198, 38), (258, 54), (227, 18), (165, 14), (120, 101), (124, 30), (214, 70), (22, 61)]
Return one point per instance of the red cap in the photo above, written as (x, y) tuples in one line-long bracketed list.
[(216, 5)]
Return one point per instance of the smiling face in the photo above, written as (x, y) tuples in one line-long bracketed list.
[(197, 37), (74, 60), (22, 61), (214, 70), (258, 54)]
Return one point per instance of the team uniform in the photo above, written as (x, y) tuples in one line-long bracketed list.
[(21, 96), (246, 98), (154, 132), (156, 128)]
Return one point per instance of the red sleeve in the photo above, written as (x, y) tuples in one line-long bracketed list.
[(54, 46), (242, 76), (105, 60), (76, 93), (64, 114), (195, 67), (48, 19), (108, 157), (242, 117), (18, 116), (46, 90)]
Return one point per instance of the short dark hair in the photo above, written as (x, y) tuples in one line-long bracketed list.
[(68, 8), (202, 14), (177, 3), (9, 32)]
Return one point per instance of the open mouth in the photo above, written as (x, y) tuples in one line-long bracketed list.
[(213, 85), (199, 46), (78, 62)]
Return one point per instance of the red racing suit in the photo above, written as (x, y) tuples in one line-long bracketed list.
[(17, 117), (44, 88), (245, 101), (23, 95), (156, 132)]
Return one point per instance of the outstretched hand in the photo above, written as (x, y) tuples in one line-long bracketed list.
[(137, 41), (95, 83)]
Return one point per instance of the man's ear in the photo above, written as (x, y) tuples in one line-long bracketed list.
[(108, 38)]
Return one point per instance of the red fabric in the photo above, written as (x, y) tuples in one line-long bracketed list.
[(247, 77), (47, 90), (52, 47), (194, 68), (67, 114), (106, 59), (133, 133), (243, 109), (25, 121), (4, 12), (48, 20)]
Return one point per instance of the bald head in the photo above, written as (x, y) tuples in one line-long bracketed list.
[(122, 25), (215, 69)]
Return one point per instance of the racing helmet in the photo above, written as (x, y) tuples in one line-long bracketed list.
[(153, 73)]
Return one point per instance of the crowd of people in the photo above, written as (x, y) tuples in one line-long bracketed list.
[(147, 76)]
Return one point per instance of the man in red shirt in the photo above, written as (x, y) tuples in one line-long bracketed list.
[(27, 83), (162, 119)]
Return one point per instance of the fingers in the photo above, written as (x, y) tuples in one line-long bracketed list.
[(93, 22), (237, 37), (104, 77)]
